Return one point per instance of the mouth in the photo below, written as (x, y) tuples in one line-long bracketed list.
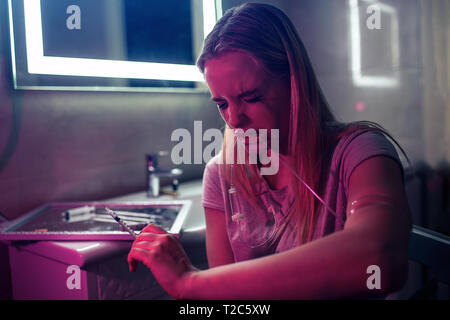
[(251, 138)]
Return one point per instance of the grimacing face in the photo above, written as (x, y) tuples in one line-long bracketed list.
[(247, 98)]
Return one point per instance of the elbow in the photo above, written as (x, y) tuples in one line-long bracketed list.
[(398, 276), (394, 270)]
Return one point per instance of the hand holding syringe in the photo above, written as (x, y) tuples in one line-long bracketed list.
[(119, 221)]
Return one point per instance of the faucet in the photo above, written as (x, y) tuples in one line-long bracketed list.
[(154, 173)]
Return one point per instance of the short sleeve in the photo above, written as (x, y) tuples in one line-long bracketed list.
[(212, 191), (364, 146)]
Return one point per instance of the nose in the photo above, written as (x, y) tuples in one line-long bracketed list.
[(234, 116)]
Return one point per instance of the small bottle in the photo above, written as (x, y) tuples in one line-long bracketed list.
[(236, 214), (175, 185)]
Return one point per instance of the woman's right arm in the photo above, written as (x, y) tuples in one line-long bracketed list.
[(218, 246)]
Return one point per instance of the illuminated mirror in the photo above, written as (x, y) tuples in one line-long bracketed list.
[(138, 45)]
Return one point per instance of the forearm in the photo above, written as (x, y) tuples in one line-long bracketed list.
[(331, 267)]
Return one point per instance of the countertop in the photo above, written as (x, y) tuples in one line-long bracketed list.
[(81, 253)]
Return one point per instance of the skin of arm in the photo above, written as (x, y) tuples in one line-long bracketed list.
[(218, 246), (332, 267)]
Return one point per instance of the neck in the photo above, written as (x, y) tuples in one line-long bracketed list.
[(282, 177)]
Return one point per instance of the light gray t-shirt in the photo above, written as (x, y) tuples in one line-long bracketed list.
[(247, 236)]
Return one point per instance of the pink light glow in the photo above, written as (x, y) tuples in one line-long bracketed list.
[(360, 106)]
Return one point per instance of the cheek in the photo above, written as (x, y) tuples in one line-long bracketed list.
[(276, 118), (263, 116), (282, 110)]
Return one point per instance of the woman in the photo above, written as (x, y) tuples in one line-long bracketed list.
[(334, 210)]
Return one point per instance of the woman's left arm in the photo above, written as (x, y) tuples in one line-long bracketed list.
[(335, 266)]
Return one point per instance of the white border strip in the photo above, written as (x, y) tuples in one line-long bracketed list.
[(13, 47), (355, 37), (40, 64)]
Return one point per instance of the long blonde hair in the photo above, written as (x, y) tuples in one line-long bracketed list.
[(267, 33)]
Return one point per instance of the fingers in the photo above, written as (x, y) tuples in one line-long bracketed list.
[(132, 263), (135, 256), (139, 253), (152, 241), (151, 228), (143, 251), (143, 242), (146, 243), (147, 236)]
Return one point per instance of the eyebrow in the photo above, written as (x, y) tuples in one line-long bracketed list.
[(240, 96)]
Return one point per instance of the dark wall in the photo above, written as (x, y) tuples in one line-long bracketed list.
[(87, 145), (415, 110), (330, 49)]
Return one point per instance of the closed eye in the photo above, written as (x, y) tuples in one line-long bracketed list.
[(222, 106), (253, 100)]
